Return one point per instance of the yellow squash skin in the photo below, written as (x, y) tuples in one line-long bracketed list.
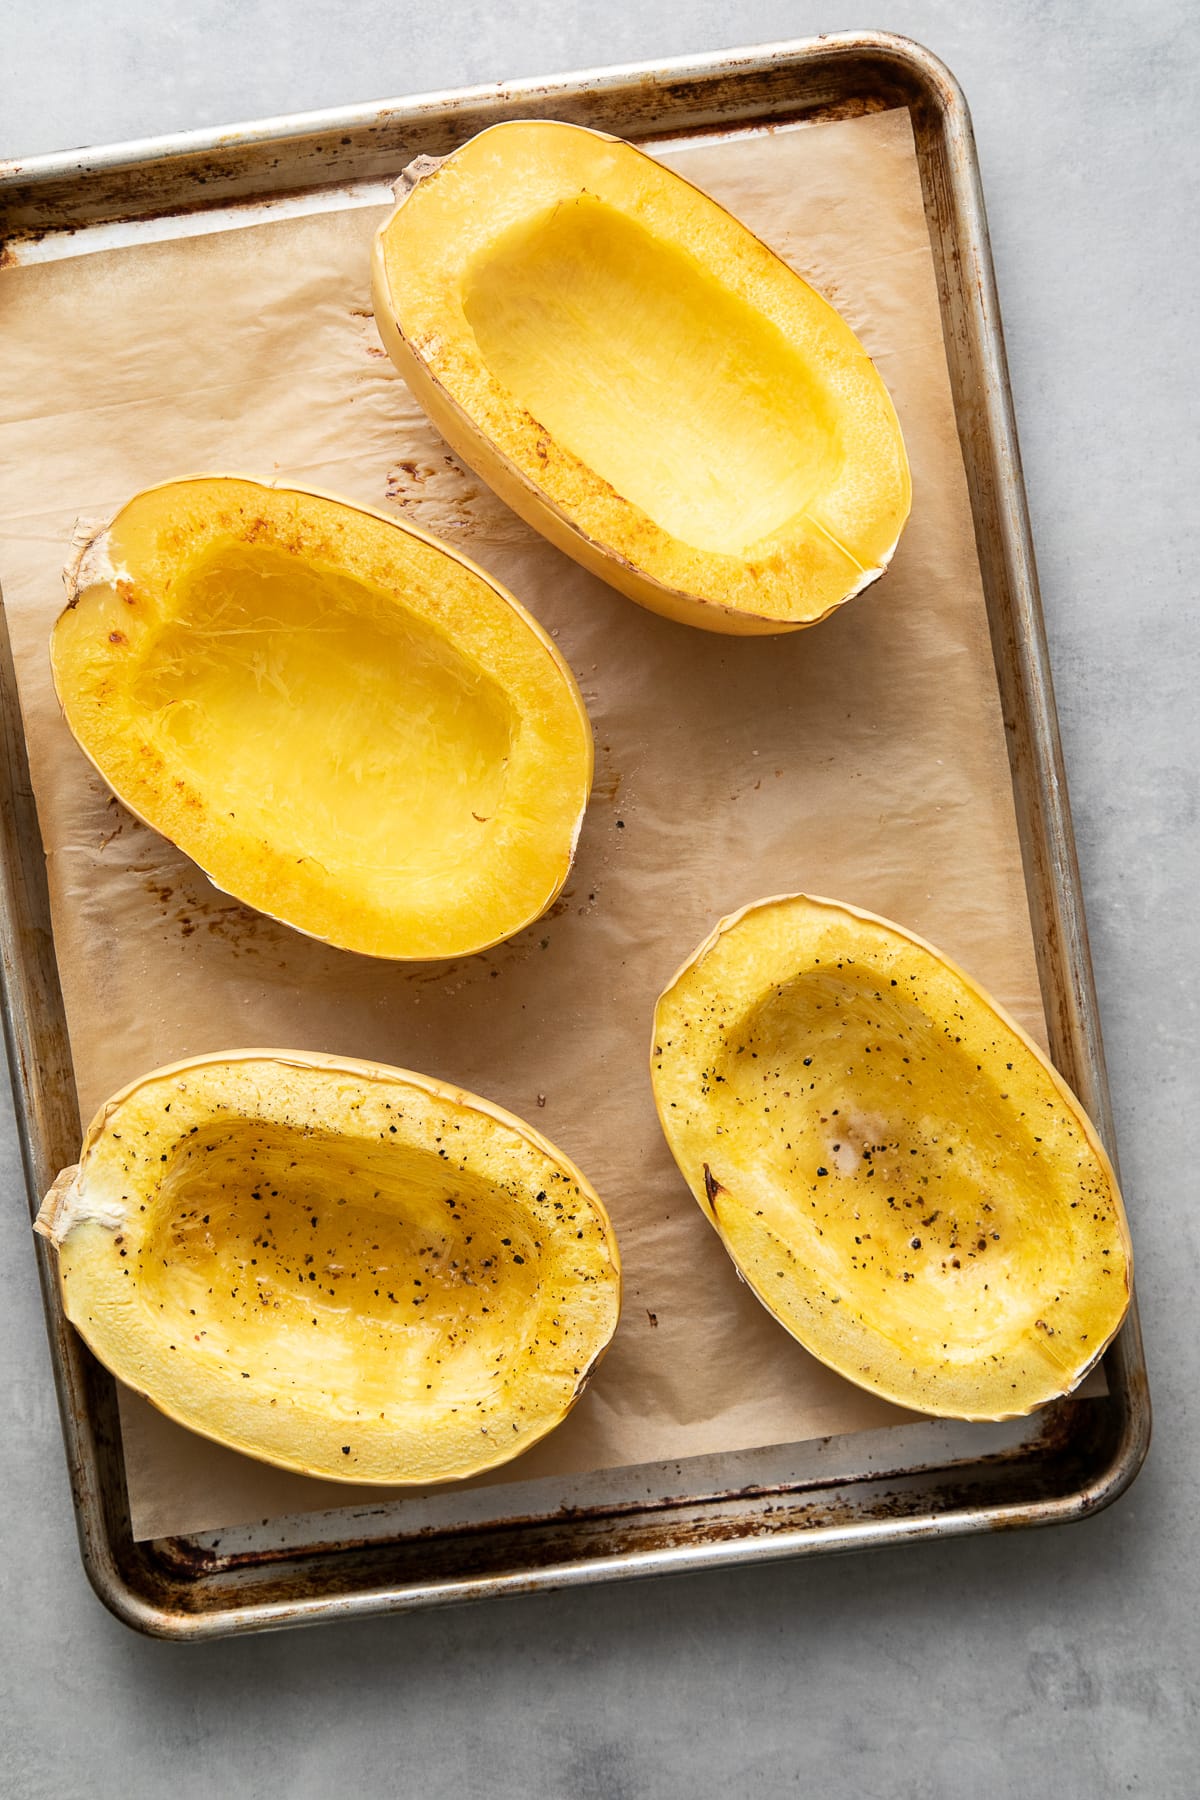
[(344, 723), (893, 1165), (641, 379), (343, 1269)]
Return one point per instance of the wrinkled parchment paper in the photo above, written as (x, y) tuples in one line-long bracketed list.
[(864, 760)]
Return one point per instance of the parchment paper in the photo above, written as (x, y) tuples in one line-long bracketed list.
[(864, 760)]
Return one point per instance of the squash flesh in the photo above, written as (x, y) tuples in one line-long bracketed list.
[(893, 1166), (237, 686), (343, 723), (577, 312), (641, 379), (282, 1253)]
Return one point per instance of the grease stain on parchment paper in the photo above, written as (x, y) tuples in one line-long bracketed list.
[(173, 890), (364, 322), (429, 486), (434, 492)]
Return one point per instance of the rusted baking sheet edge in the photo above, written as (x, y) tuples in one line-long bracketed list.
[(1078, 1457), (195, 170)]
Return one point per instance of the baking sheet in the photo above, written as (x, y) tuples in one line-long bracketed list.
[(865, 759)]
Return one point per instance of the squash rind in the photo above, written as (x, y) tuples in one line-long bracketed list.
[(786, 580), (894, 1166), (345, 1396)]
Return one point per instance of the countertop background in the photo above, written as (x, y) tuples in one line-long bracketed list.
[(1064, 1662)]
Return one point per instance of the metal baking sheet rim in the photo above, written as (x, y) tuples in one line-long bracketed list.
[(1084, 1453)]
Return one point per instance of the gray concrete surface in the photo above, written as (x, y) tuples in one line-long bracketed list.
[(1062, 1663)]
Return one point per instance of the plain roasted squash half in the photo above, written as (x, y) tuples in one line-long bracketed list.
[(346, 1270), (641, 379), (344, 723), (893, 1165)]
